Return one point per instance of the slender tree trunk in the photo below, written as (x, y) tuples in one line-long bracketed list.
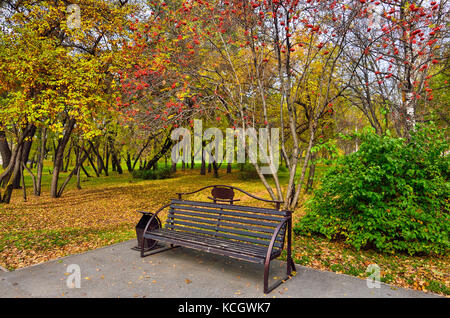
[(33, 178), (101, 163), (5, 150), (25, 155), (11, 172), (68, 158), (294, 201), (23, 182), (114, 159), (60, 156), (203, 166), (215, 169), (311, 173), (78, 170), (15, 172), (145, 147), (410, 118), (85, 172), (128, 162), (63, 186), (40, 166), (165, 148), (106, 156), (91, 163)]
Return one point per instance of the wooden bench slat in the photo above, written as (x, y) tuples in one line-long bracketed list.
[(231, 207), (210, 248), (228, 218), (219, 225), (231, 213), (223, 235), (249, 249), (220, 222), (219, 228)]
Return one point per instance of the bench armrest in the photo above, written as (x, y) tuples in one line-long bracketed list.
[(275, 235), (153, 216)]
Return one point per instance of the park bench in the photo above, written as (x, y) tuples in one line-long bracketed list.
[(221, 227)]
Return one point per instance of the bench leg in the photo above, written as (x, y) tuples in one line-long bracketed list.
[(158, 250), (290, 264), (289, 267)]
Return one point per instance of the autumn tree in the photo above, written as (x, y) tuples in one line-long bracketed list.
[(403, 43), (55, 75), (273, 64)]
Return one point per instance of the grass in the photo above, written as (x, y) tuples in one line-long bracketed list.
[(104, 213)]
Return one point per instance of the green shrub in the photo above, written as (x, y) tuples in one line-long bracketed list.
[(160, 173), (390, 195)]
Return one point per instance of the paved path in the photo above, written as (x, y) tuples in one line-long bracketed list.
[(118, 271)]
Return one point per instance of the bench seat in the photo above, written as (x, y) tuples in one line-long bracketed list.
[(235, 249)]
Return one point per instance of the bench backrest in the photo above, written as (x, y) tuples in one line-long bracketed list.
[(252, 225)]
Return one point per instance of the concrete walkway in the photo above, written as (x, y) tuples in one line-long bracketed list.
[(118, 271)]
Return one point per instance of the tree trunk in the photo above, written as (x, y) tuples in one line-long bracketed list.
[(68, 158), (33, 178), (11, 172), (40, 166), (85, 172), (106, 156), (91, 163), (128, 162), (203, 166), (100, 162), (5, 151), (23, 181), (15, 172), (165, 148), (63, 186), (294, 200), (410, 118), (60, 156), (311, 173), (215, 169), (14, 166), (25, 155), (78, 172), (114, 159)]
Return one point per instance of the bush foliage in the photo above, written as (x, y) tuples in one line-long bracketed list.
[(160, 173), (247, 171), (390, 195)]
